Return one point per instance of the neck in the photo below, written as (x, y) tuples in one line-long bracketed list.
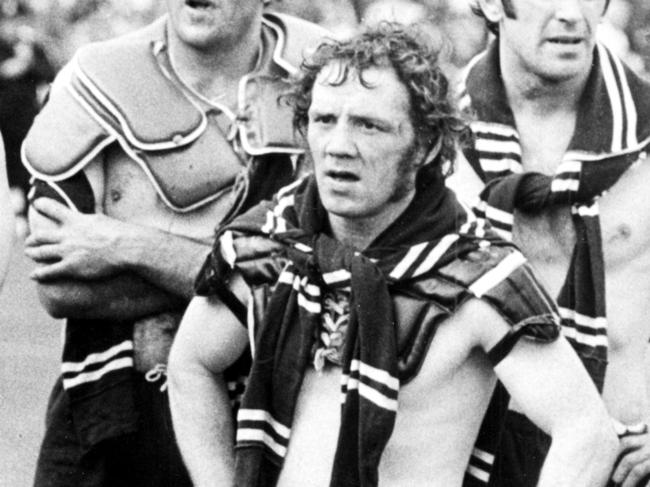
[(531, 92), (212, 71), (359, 233)]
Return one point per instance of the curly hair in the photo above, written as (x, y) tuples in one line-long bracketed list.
[(415, 61), (509, 10)]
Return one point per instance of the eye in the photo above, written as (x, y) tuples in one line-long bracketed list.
[(323, 119), (368, 125)]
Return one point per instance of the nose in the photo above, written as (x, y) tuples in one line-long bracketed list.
[(339, 141), (569, 11)]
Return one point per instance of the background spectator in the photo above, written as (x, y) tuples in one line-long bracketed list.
[(24, 73)]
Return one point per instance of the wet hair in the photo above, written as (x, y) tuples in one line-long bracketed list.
[(411, 54), (508, 9)]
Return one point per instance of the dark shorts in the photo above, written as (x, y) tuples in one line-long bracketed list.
[(148, 458), (521, 454)]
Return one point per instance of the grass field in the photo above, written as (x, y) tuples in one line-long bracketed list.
[(30, 344)]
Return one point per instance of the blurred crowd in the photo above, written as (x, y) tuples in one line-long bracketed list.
[(38, 36)]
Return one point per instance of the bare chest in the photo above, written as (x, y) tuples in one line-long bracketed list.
[(130, 194), (437, 421)]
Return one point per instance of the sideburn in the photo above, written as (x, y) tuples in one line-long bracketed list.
[(407, 168), (509, 9)]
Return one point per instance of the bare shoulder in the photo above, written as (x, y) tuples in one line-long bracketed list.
[(210, 333), (461, 342)]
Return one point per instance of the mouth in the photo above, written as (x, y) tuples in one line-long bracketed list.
[(565, 40), (342, 176), (199, 4)]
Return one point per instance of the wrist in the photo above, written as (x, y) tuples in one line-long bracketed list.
[(134, 246)]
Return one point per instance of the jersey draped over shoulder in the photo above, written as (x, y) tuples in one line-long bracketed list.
[(416, 274)]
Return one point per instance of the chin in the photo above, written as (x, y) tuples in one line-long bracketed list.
[(198, 39), (343, 209), (563, 71)]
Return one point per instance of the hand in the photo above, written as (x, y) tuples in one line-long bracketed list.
[(73, 244), (633, 469)]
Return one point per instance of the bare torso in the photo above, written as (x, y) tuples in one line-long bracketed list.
[(130, 196), (124, 192), (547, 241), (438, 418)]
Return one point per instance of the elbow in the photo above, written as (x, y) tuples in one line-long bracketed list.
[(596, 438), (62, 301), (607, 440), (604, 441), (54, 301)]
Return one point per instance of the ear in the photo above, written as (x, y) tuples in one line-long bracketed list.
[(492, 9)]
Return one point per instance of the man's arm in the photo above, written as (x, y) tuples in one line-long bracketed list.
[(73, 245), (125, 297), (554, 390), (122, 297), (210, 339)]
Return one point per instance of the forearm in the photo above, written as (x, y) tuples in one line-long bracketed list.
[(203, 424), (580, 455), (169, 261), (124, 297)]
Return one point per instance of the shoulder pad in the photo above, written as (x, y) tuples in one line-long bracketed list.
[(501, 276), (267, 124), (124, 78), (64, 137), (111, 90), (297, 37), (258, 259)]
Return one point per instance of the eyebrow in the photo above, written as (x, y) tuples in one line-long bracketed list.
[(381, 122)]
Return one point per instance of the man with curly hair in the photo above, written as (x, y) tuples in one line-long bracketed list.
[(364, 286), (562, 133), (147, 141)]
